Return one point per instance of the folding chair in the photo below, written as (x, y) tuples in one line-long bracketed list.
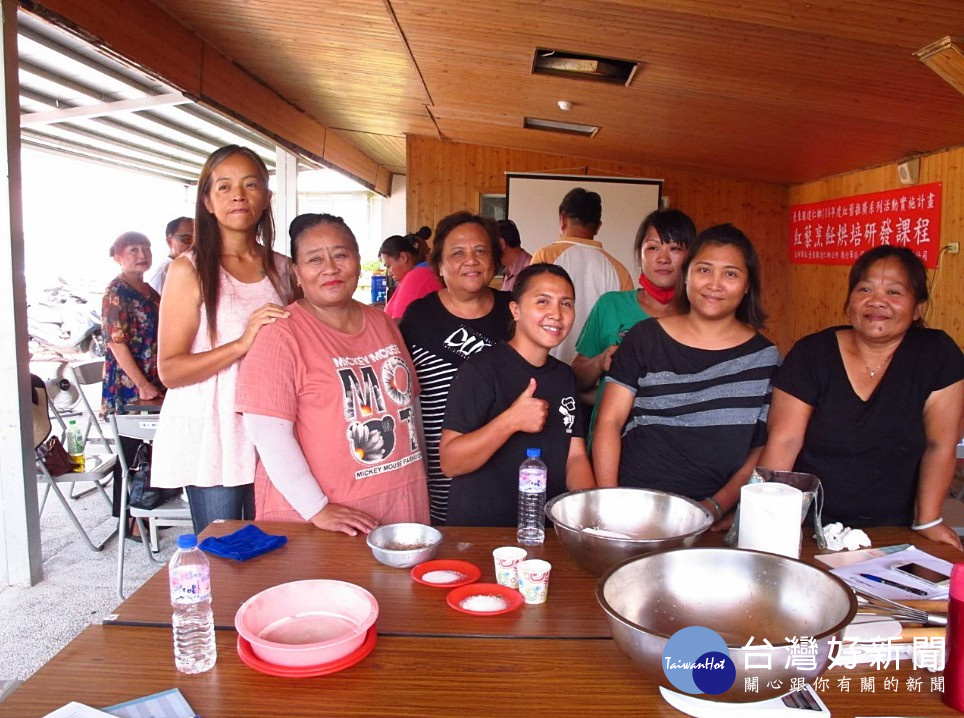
[(173, 512), (83, 375), (89, 373), (99, 469)]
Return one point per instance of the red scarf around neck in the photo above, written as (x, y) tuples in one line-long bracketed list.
[(663, 296)]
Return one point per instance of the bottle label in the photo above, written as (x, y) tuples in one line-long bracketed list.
[(75, 441), (190, 584), (532, 481)]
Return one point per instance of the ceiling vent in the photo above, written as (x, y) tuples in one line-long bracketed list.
[(583, 67), (566, 128), (946, 58)]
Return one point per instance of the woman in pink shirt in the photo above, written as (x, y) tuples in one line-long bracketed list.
[(329, 397), (405, 261)]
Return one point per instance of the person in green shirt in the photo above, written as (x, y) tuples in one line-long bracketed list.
[(661, 243)]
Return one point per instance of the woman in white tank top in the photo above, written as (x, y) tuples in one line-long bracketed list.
[(216, 298)]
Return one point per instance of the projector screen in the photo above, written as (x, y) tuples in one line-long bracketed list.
[(532, 202)]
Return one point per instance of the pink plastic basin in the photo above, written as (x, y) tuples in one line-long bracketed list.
[(307, 623)]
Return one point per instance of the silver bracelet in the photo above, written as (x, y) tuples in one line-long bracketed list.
[(716, 507), (929, 525)]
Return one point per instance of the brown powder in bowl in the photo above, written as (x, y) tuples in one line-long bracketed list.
[(405, 546)]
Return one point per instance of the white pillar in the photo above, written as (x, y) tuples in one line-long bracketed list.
[(285, 204), (20, 556)]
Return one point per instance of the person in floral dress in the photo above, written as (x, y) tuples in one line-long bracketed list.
[(129, 319)]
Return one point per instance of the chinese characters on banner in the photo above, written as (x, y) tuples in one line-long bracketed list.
[(837, 231)]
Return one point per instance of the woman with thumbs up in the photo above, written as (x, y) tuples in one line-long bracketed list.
[(513, 397)]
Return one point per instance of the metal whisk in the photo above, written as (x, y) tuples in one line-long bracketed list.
[(898, 610)]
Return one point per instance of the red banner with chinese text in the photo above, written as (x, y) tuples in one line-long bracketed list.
[(837, 231)]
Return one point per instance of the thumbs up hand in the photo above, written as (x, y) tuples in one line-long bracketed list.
[(528, 413)]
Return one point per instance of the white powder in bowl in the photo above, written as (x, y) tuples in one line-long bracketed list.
[(483, 603), (606, 533), (443, 576)]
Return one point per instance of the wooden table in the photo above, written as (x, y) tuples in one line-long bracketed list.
[(410, 608), (406, 607), (404, 676), (429, 660)]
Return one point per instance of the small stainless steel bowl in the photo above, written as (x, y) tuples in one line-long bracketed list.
[(737, 593), (655, 520), (404, 545)]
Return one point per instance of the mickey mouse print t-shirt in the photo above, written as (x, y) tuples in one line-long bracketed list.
[(486, 386), (351, 398)]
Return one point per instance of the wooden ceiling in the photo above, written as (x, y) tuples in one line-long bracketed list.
[(774, 90)]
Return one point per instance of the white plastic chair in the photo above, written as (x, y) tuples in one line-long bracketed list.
[(174, 512), (99, 471)]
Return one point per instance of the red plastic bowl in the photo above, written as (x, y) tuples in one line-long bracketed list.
[(513, 599), (471, 572), (307, 623)]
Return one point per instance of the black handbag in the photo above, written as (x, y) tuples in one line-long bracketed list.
[(142, 494)]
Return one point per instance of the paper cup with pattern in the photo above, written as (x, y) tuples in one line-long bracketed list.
[(534, 580), (506, 558)]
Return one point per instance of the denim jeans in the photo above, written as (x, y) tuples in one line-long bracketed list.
[(209, 503)]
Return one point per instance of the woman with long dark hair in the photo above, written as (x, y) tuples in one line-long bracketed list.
[(685, 404), (216, 299)]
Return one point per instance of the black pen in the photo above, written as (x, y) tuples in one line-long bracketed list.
[(888, 582)]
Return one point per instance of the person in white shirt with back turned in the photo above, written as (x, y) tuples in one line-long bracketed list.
[(593, 270)]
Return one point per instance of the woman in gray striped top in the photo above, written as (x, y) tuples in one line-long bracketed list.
[(685, 405)]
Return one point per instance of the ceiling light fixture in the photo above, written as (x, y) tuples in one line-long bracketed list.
[(567, 128), (558, 63), (946, 58)]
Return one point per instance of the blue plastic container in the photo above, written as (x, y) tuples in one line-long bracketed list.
[(379, 288)]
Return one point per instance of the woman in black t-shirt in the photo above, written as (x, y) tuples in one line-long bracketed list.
[(874, 409), (685, 402), (511, 398)]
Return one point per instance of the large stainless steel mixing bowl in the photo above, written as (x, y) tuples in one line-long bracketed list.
[(737, 593), (655, 521)]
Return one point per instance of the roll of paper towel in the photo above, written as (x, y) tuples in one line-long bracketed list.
[(770, 518)]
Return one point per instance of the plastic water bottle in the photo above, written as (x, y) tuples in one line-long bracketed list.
[(954, 663), (533, 476), (190, 576), (74, 441)]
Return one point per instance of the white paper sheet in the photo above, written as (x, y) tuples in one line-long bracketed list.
[(883, 567), (77, 710)]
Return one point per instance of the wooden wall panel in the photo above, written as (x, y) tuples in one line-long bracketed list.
[(817, 293), (447, 176)]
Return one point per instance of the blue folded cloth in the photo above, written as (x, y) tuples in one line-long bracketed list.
[(243, 544)]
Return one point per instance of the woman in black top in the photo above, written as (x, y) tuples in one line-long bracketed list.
[(445, 328), (874, 409), (512, 398)]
